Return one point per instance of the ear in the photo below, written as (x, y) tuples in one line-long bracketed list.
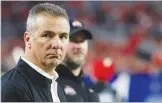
[(27, 39)]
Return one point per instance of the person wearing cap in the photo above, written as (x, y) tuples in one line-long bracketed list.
[(70, 71)]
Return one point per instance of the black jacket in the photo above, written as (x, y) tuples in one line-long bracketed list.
[(74, 87), (24, 84)]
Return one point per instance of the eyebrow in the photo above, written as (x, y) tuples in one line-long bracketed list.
[(52, 32), (47, 31), (66, 34)]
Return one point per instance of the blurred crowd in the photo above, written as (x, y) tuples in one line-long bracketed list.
[(127, 40)]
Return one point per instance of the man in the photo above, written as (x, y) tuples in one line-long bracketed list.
[(46, 38), (70, 71)]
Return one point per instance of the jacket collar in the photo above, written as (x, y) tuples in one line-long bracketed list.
[(64, 71), (36, 78), (39, 70)]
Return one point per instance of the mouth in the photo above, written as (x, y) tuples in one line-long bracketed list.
[(78, 53), (51, 56)]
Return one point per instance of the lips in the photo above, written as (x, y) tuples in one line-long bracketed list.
[(53, 56)]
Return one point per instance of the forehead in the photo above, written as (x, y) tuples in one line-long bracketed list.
[(52, 23)]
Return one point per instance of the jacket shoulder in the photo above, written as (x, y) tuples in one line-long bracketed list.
[(13, 92), (12, 76), (13, 87)]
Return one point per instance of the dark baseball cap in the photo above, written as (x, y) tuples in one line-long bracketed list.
[(77, 26)]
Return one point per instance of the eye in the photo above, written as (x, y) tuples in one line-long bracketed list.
[(63, 37), (46, 35)]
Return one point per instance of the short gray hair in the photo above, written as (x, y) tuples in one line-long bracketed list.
[(50, 9)]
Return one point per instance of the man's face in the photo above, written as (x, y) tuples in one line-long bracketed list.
[(48, 42), (77, 49)]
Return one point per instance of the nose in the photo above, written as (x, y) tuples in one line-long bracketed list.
[(77, 45), (56, 42)]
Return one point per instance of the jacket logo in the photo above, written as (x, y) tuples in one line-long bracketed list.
[(91, 90), (69, 90)]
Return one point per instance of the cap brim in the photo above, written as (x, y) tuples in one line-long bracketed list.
[(87, 33)]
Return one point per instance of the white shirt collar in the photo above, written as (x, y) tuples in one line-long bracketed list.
[(41, 71)]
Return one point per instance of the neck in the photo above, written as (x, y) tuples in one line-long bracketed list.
[(75, 69), (76, 72)]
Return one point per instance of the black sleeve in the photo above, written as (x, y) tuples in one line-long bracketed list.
[(13, 93)]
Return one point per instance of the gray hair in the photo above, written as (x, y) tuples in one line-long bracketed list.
[(48, 8)]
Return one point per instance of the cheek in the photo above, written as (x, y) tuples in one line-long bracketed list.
[(70, 46), (69, 51), (35, 46), (40, 43), (65, 47), (40, 46), (85, 47)]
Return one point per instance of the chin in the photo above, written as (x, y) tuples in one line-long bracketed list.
[(53, 63), (79, 61)]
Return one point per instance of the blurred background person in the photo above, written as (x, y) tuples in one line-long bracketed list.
[(70, 71)]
